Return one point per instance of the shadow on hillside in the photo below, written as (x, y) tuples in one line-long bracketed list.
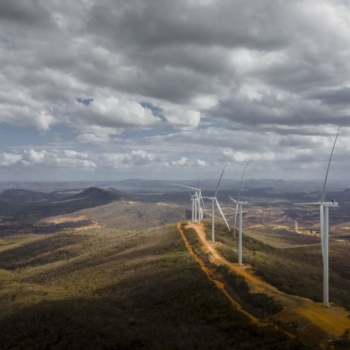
[(166, 322), (92, 263), (71, 324), (48, 250)]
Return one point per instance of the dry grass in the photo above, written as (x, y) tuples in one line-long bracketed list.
[(292, 262), (107, 289), (126, 215)]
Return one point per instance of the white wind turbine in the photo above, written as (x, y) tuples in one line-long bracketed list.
[(197, 211), (213, 201), (239, 205), (197, 199), (324, 228)]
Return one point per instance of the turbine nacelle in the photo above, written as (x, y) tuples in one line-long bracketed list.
[(239, 201)]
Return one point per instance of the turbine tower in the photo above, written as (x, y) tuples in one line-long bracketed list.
[(193, 204), (239, 205), (324, 228), (213, 201)]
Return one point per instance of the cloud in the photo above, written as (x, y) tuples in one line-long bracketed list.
[(178, 82), (52, 158), (7, 159), (113, 112), (97, 134), (189, 163), (141, 157), (24, 12), (183, 119)]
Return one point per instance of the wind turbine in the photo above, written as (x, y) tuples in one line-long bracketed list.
[(324, 228), (239, 205), (197, 211), (213, 201)]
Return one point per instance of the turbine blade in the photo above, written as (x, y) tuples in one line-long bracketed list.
[(192, 188), (203, 202), (240, 185), (329, 163), (209, 179), (222, 214), (311, 204), (217, 187), (233, 200)]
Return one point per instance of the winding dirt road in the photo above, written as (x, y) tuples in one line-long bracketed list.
[(332, 320)]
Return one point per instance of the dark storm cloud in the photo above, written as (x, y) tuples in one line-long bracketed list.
[(24, 12), (334, 97), (165, 23)]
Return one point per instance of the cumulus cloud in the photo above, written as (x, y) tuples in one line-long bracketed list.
[(183, 119), (266, 79), (45, 158), (113, 112), (97, 134), (187, 162), (7, 159), (141, 157)]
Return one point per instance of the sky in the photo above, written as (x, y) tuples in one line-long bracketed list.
[(117, 89)]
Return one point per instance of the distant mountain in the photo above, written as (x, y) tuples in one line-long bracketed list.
[(148, 186), (101, 195), (33, 205), (21, 195)]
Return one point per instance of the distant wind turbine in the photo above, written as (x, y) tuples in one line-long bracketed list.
[(197, 211), (213, 201), (239, 205), (197, 200), (324, 228)]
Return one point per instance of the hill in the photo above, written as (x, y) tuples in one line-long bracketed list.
[(128, 215), (112, 289), (24, 205), (22, 195), (101, 194)]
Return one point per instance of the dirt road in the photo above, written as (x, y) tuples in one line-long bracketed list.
[(209, 273), (297, 227), (332, 320)]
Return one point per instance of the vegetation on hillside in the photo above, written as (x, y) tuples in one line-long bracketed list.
[(296, 268), (113, 289), (257, 304)]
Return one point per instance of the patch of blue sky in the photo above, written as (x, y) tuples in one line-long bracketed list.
[(158, 112), (84, 101)]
